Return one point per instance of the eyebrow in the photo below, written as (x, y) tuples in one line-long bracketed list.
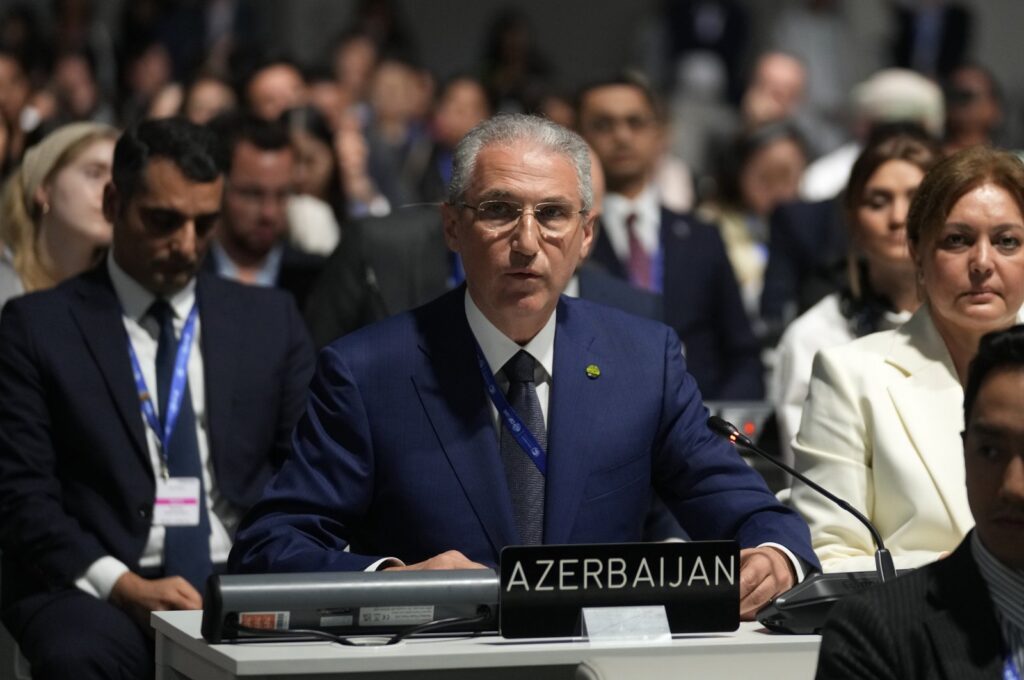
[(505, 194)]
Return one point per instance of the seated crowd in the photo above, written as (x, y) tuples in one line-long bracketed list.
[(167, 277)]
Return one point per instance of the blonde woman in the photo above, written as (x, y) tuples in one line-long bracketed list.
[(51, 211)]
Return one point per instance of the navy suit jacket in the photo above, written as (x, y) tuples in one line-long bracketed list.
[(702, 303), (398, 455), (76, 482), (806, 259)]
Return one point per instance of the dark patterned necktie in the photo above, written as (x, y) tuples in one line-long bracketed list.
[(186, 549), (525, 482)]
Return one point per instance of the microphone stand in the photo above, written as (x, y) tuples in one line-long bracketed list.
[(883, 558)]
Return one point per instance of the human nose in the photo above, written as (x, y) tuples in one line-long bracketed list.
[(1012, 487), (981, 258), (184, 242), (526, 236), (898, 217)]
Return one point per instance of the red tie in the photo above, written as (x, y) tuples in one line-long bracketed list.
[(639, 260)]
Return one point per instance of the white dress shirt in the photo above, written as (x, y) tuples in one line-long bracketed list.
[(647, 226), (143, 332), (498, 348)]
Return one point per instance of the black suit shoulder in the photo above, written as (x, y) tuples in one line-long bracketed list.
[(936, 621)]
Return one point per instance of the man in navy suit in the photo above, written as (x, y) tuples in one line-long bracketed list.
[(402, 458), (656, 249), (128, 454)]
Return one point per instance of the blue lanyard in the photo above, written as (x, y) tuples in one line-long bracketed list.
[(178, 383), (527, 442), (1010, 671)]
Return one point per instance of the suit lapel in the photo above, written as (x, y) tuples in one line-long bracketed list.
[(451, 391), (222, 335), (99, 320), (571, 412), (930, 405), (964, 632)]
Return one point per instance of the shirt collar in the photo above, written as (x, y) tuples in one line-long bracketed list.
[(645, 206), (498, 348), (135, 299), (267, 274)]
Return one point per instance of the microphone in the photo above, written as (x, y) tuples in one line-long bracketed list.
[(883, 559), (803, 608)]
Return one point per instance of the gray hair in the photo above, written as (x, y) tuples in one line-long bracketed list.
[(510, 128)]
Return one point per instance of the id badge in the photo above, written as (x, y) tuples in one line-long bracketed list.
[(177, 502)]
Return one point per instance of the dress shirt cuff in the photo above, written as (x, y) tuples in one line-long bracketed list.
[(384, 563), (798, 567), (100, 577)]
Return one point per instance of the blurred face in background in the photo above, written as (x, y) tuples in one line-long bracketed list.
[(463, 105), (207, 98), (395, 92), (972, 106), (73, 196), (880, 226), (772, 175), (75, 85), (275, 89), (256, 195), (314, 164), (620, 125), (776, 90)]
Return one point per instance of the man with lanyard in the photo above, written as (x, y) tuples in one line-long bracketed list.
[(142, 408), (963, 616), (504, 413)]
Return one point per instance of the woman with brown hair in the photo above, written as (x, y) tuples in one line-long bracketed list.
[(880, 292), (51, 210), (881, 425)]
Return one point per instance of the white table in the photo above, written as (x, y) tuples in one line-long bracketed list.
[(750, 652)]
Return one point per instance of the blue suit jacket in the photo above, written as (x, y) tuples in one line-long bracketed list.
[(397, 454), (76, 481), (702, 303)]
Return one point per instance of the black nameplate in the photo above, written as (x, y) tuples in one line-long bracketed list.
[(544, 588)]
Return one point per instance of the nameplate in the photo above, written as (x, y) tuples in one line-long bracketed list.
[(544, 588)]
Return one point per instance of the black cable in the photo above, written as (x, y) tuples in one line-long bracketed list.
[(432, 626)]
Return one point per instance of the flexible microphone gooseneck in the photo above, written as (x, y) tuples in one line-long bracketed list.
[(883, 559)]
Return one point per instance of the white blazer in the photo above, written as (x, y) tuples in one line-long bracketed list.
[(881, 429)]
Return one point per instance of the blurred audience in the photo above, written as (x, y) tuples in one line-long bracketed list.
[(888, 96)]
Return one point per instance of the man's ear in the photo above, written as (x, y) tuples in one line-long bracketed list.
[(588, 234), (450, 220), (111, 202)]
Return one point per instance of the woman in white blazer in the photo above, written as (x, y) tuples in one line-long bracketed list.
[(880, 292), (881, 425)]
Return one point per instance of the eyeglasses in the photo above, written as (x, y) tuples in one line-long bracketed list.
[(554, 218)]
